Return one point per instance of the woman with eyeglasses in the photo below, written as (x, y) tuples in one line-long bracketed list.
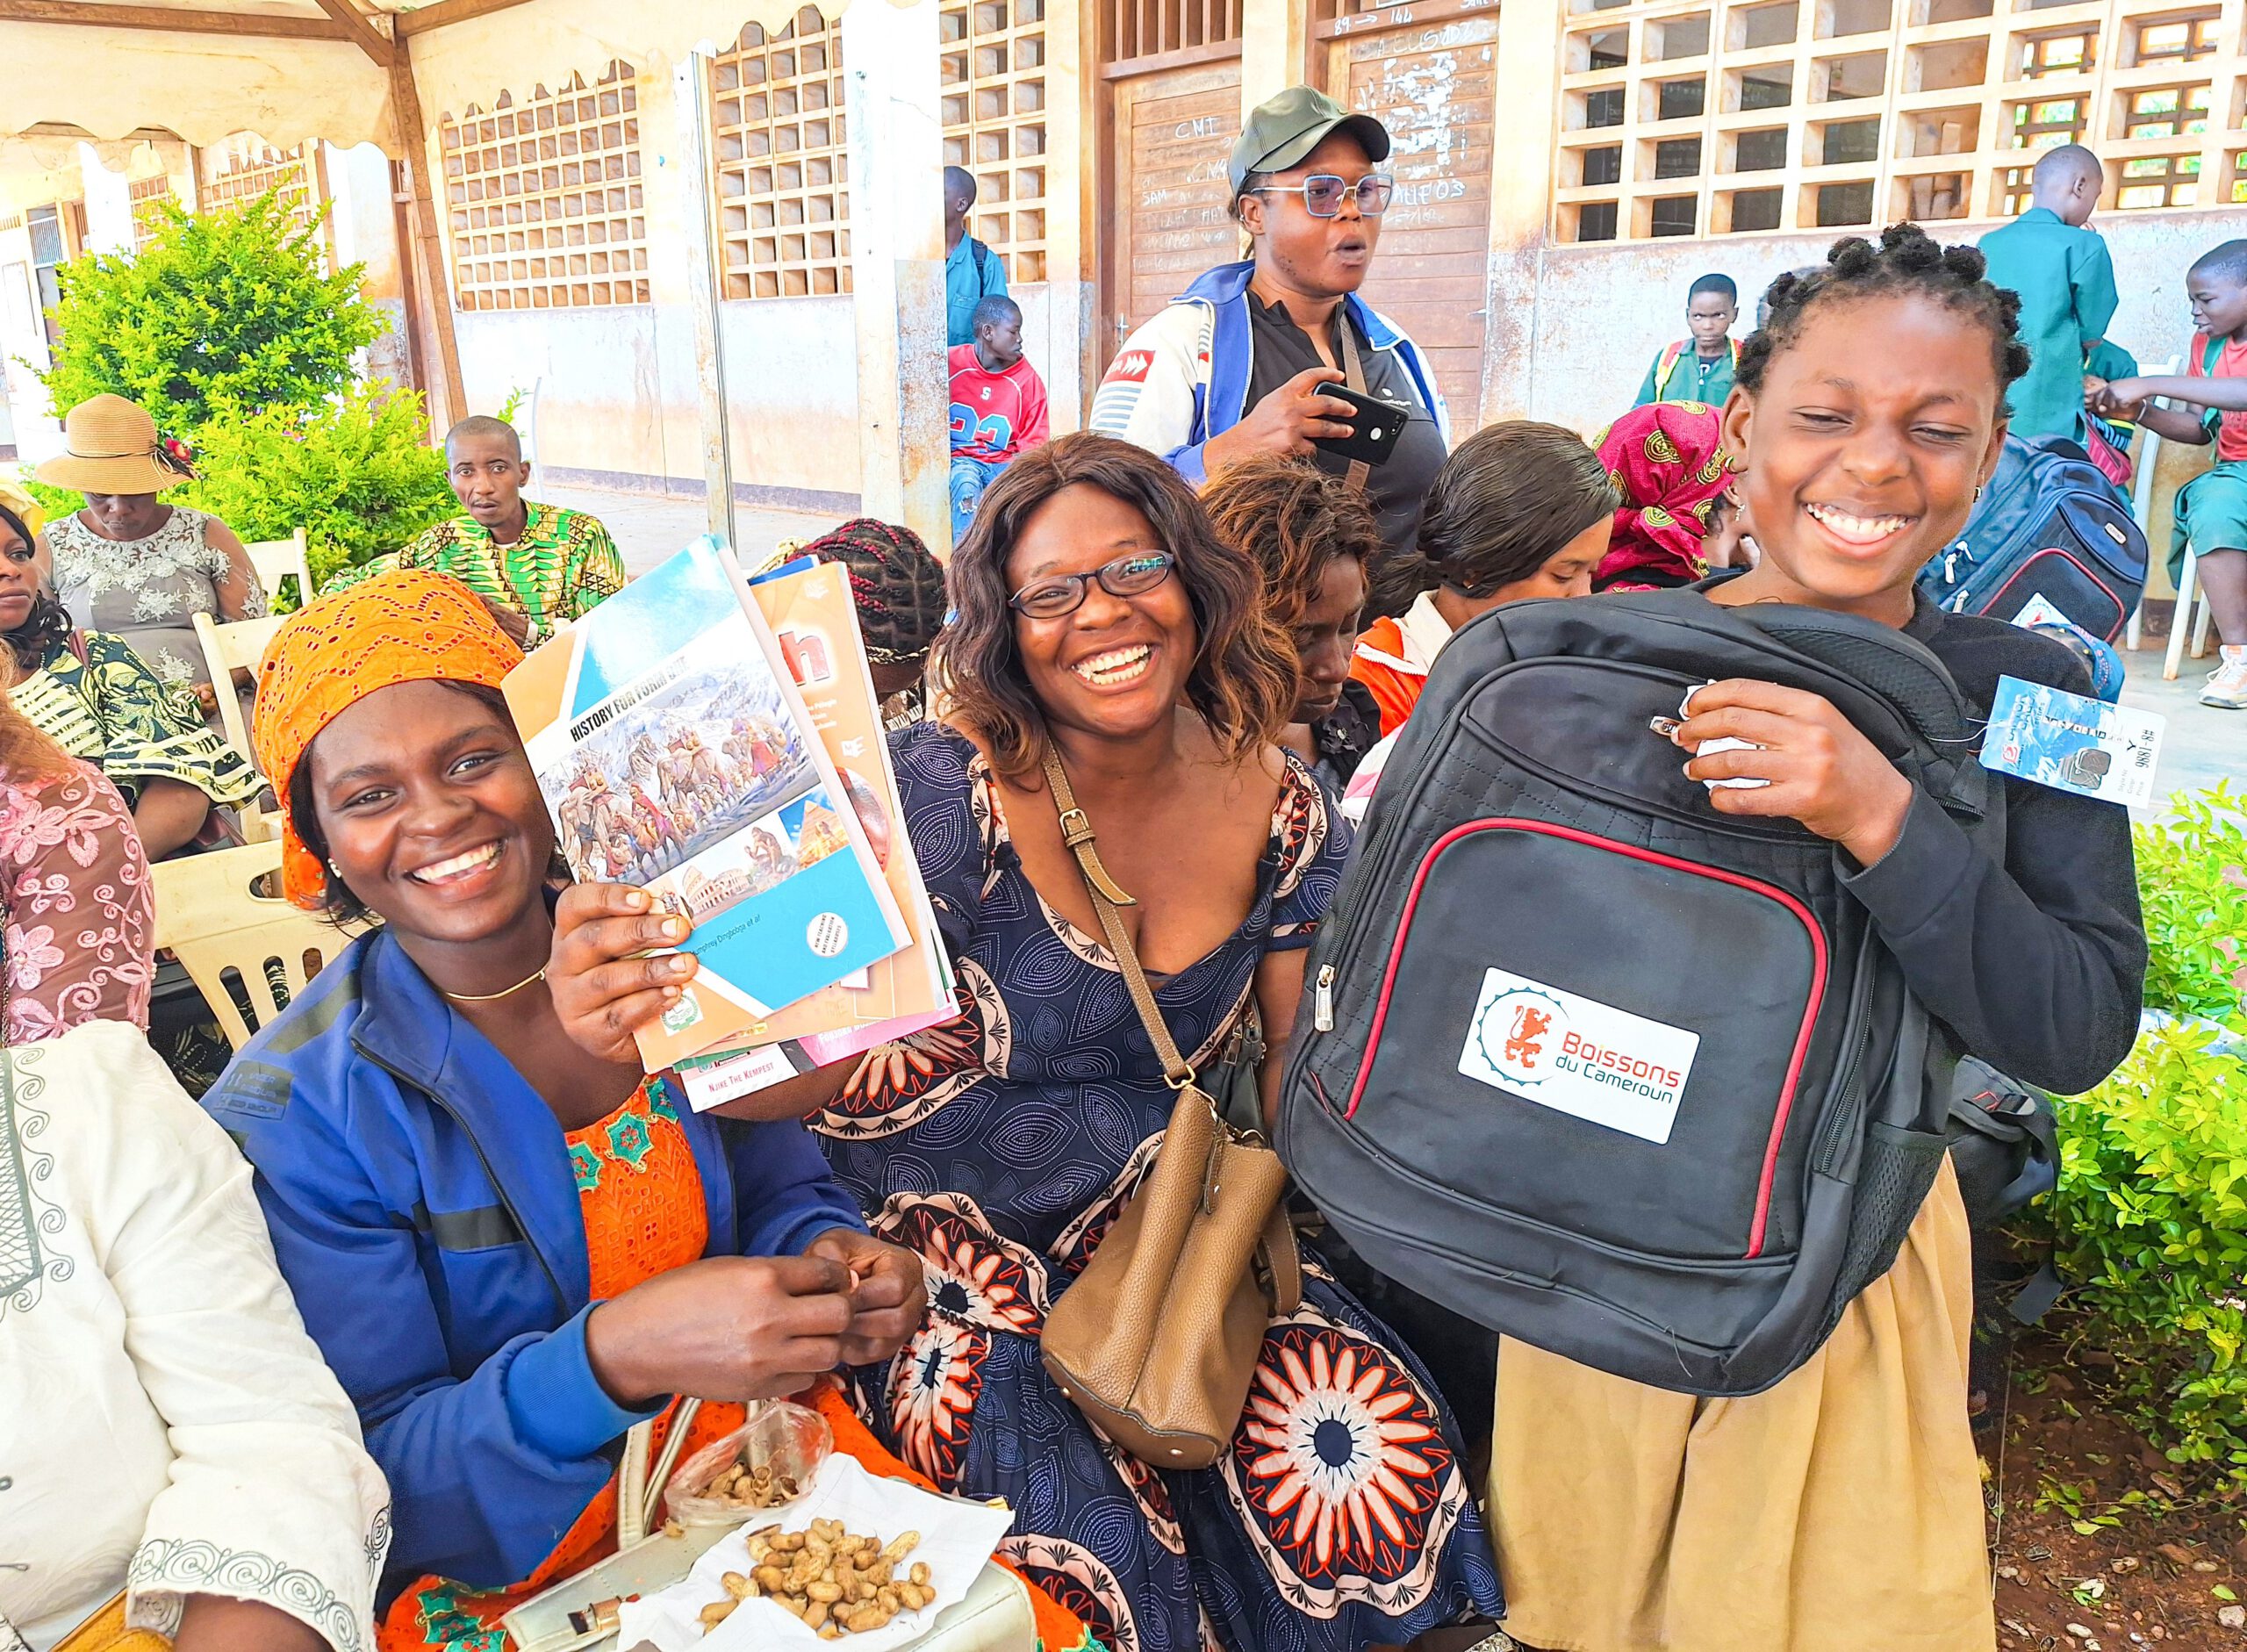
[(1098, 615), (1241, 363)]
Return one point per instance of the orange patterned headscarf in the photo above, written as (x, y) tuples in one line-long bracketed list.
[(404, 627)]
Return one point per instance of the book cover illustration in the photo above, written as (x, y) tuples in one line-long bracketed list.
[(809, 610), (674, 753)]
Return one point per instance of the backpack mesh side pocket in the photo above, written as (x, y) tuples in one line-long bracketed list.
[(1893, 1175)]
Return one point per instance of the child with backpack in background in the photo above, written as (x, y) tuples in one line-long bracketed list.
[(2211, 508), (1630, 1516), (1518, 510)]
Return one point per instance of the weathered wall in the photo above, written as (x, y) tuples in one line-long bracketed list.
[(1595, 314)]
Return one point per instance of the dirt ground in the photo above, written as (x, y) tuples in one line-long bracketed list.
[(2098, 1542)]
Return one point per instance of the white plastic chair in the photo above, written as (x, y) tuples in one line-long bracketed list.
[(276, 559), (239, 642), (240, 944)]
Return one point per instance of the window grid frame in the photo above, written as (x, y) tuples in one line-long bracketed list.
[(238, 168), (505, 242), (149, 197), (1945, 144), (783, 212), (989, 112)]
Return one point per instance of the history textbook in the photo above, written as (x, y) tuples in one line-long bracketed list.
[(675, 753), (808, 607)]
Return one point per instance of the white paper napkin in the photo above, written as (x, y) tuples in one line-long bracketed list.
[(958, 1538)]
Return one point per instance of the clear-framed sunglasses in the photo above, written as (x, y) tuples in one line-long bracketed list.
[(1059, 595), (1323, 193)]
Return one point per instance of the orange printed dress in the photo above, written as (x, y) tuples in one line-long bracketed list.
[(642, 1198)]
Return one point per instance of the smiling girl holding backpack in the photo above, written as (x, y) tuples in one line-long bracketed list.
[(1841, 1510)]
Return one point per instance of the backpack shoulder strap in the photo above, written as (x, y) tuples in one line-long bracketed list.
[(1665, 364), (2211, 351), (981, 255)]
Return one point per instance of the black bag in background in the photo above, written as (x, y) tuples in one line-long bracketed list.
[(2004, 1142)]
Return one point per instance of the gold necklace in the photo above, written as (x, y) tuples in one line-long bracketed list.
[(537, 974)]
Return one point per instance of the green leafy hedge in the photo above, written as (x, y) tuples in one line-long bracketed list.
[(221, 312), (227, 330), (2149, 1219), (354, 473)]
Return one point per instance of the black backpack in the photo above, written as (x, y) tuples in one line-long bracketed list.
[(2050, 533), (1594, 1065)]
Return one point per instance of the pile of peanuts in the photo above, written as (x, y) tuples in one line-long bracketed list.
[(839, 1582), (748, 1488)]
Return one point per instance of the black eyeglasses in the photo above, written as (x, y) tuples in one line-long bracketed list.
[(1323, 193), (1064, 593)]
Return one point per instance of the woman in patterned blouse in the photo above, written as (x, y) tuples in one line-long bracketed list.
[(76, 915), (133, 566), (93, 696)]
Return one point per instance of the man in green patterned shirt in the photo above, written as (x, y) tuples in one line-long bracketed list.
[(538, 565)]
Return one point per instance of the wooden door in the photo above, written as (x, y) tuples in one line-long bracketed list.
[(1432, 84), (1174, 129)]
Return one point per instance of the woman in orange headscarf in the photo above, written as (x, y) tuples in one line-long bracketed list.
[(510, 1250)]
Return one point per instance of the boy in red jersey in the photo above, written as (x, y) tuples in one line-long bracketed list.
[(998, 405)]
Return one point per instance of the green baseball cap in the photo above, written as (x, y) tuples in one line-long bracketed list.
[(1282, 130)]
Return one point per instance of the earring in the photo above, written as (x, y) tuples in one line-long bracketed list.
[(335, 872), (1977, 492)]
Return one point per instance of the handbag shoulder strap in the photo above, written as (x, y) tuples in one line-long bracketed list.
[(1107, 897)]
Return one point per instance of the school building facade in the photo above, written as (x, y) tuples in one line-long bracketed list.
[(1565, 168)]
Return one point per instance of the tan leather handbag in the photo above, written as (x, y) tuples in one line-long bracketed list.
[(1156, 1340)]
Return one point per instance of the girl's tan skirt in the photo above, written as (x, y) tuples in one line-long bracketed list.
[(1839, 1511)]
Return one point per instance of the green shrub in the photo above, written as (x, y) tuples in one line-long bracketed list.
[(353, 472), (2148, 1222), (2193, 886), (2150, 1226), (224, 311)]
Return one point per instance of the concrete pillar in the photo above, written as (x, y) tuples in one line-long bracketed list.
[(109, 205), (1521, 194), (1274, 48), (362, 226), (897, 248), (691, 90)]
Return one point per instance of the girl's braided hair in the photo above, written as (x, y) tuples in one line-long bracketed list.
[(896, 586), (1907, 261)]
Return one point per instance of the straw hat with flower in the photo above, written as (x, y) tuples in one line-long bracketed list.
[(111, 446)]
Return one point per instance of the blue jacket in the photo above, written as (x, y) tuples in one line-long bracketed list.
[(423, 1208), (1182, 376)]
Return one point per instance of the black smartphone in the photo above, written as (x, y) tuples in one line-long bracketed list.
[(1376, 425)]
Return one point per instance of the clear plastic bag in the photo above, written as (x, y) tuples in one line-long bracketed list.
[(776, 1452)]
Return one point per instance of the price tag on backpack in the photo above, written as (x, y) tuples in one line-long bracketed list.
[(2072, 742)]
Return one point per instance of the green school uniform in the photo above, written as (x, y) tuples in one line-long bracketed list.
[(2211, 509), (2066, 283), (1679, 374)]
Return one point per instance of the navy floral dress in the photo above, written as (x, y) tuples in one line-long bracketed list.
[(1001, 1147)]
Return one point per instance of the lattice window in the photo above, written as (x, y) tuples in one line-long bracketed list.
[(993, 77), (545, 197), (1681, 116), (1155, 28), (150, 197), (784, 197), (2159, 180), (244, 167), (2165, 111), (2176, 39)]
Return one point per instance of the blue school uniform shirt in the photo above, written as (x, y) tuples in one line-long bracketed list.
[(969, 279), (2065, 279)]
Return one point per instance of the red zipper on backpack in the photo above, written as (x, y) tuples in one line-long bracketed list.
[(1795, 1060)]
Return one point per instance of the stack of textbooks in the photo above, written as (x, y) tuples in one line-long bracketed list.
[(718, 742)]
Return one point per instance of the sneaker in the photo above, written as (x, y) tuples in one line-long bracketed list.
[(2227, 685)]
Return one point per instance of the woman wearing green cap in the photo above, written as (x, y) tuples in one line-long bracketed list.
[(1236, 363)]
